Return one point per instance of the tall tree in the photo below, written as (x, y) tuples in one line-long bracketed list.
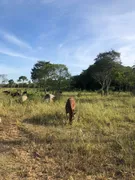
[(50, 75), (11, 82), (22, 79), (103, 68), (42, 72), (3, 78), (61, 74)]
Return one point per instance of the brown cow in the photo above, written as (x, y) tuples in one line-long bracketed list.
[(70, 109)]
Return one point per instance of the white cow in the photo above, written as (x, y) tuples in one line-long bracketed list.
[(24, 98), (49, 97)]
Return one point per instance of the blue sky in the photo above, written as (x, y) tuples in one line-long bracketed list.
[(71, 32)]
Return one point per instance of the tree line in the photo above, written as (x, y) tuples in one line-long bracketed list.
[(106, 73)]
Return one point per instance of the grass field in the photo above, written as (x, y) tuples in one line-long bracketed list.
[(36, 143)]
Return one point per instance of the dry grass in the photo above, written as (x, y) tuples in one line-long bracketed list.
[(35, 142)]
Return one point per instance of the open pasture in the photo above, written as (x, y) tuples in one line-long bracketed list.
[(36, 141)]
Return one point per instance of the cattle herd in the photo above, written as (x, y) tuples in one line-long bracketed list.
[(18, 93), (69, 107)]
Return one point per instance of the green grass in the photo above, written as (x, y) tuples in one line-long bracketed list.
[(99, 145)]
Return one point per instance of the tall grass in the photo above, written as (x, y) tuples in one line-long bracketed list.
[(99, 144)]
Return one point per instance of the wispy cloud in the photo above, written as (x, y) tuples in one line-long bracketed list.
[(15, 40), (72, 32), (9, 52), (114, 31)]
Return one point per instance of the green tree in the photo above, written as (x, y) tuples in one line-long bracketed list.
[(11, 82), (3, 78), (103, 69), (61, 75), (22, 79), (42, 72), (49, 75), (124, 78)]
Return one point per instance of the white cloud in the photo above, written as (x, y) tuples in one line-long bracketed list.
[(9, 52), (121, 28), (110, 31), (128, 55), (76, 31), (15, 40)]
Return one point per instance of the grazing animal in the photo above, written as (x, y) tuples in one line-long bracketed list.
[(25, 92), (6, 92), (49, 97), (16, 94), (24, 96), (70, 109)]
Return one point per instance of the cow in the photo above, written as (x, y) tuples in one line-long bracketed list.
[(49, 97), (6, 92), (25, 92), (16, 94), (70, 109), (24, 96)]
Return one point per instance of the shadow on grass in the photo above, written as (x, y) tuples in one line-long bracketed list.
[(4, 147), (11, 142), (37, 137), (56, 119)]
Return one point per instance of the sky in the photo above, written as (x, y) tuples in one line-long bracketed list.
[(70, 32)]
